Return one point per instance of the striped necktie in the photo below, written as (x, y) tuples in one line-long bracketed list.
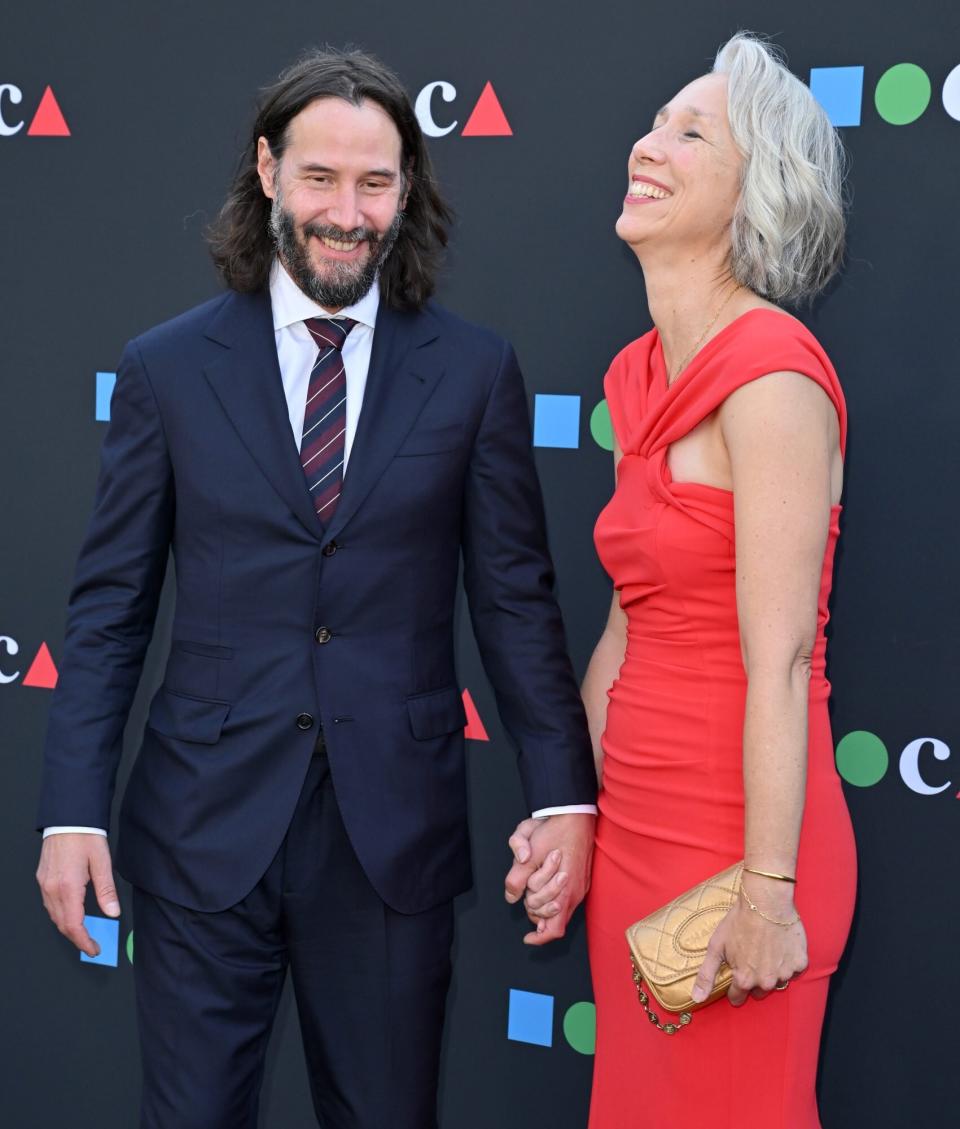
[(325, 419)]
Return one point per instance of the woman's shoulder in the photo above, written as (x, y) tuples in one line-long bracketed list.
[(770, 337), (765, 341)]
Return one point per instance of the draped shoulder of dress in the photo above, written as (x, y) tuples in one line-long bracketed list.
[(671, 803)]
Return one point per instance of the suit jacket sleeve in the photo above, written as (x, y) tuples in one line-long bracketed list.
[(112, 607), (509, 580)]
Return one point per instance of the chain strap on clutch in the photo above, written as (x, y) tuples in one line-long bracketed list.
[(666, 1028)]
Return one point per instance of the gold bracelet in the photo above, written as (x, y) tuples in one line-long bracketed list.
[(765, 916), (767, 874)]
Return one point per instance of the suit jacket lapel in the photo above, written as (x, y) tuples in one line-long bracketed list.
[(246, 380), (402, 376)]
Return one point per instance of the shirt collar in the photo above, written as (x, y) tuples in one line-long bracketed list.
[(291, 306)]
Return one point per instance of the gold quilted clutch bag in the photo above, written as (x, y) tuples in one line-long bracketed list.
[(669, 945)]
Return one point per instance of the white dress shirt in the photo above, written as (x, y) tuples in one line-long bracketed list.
[(297, 352)]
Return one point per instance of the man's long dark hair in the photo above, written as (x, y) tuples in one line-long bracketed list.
[(240, 241)]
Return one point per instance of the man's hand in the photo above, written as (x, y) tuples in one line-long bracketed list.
[(67, 862), (552, 859)]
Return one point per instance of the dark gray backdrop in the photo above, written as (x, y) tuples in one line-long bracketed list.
[(101, 237)]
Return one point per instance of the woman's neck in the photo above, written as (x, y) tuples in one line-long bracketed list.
[(684, 298)]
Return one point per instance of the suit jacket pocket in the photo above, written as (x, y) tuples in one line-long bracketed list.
[(208, 650), (432, 440), (436, 713), (188, 719)]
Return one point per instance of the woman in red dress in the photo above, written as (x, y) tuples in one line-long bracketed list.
[(707, 694)]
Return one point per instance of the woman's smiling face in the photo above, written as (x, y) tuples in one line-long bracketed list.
[(684, 175)]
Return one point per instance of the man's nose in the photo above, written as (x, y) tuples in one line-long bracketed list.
[(344, 210)]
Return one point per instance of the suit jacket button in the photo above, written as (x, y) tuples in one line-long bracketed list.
[(304, 720), (330, 549), (323, 635)]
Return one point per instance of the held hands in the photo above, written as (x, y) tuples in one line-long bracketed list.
[(551, 871), (67, 863), (764, 956)]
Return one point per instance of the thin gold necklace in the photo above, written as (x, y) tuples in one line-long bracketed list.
[(699, 341)]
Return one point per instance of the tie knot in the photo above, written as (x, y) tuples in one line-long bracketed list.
[(329, 332)]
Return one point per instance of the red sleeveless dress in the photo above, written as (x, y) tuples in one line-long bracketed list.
[(671, 804)]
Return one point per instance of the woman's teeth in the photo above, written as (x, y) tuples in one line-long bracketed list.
[(639, 188)]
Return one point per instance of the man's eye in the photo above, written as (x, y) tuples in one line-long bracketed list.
[(692, 133)]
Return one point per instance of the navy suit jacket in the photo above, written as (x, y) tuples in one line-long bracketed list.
[(200, 458)]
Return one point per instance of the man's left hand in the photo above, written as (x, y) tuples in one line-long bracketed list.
[(551, 871)]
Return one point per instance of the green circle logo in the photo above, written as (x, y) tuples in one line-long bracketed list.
[(862, 758), (130, 946), (600, 426), (903, 93), (580, 1027)]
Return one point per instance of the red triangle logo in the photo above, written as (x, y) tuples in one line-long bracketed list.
[(42, 672), (48, 121), (474, 730), (488, 118)]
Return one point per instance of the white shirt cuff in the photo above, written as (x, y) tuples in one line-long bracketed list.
[(569, 809), (47, 831)]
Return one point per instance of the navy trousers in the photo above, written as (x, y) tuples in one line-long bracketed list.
[(370, 986)]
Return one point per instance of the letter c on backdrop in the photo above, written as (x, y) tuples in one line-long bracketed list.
[(12, 647), (424, 111), (910, 765), (16, 97)]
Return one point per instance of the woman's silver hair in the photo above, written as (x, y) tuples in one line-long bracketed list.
[(788, 227)]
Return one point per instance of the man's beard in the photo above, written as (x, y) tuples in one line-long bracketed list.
[(342, 283)]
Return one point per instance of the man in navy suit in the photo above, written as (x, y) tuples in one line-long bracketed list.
[(319, 447)]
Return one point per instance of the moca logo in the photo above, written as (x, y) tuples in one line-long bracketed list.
[(41, 673), (47, 121), (487, 118)]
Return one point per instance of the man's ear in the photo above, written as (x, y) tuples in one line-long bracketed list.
[(267, 166)]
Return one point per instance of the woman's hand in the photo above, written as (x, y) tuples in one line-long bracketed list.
[(544, 889), (763, 956)]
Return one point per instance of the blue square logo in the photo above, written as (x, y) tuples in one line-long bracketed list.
[(556, 421), (531, 1018), (840, 91), (106, 932), (105, 383)]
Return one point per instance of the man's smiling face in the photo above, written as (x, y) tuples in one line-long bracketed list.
[(337, 194)]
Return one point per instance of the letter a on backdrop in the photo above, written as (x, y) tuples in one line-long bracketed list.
[(48, 121), (488, 118)]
